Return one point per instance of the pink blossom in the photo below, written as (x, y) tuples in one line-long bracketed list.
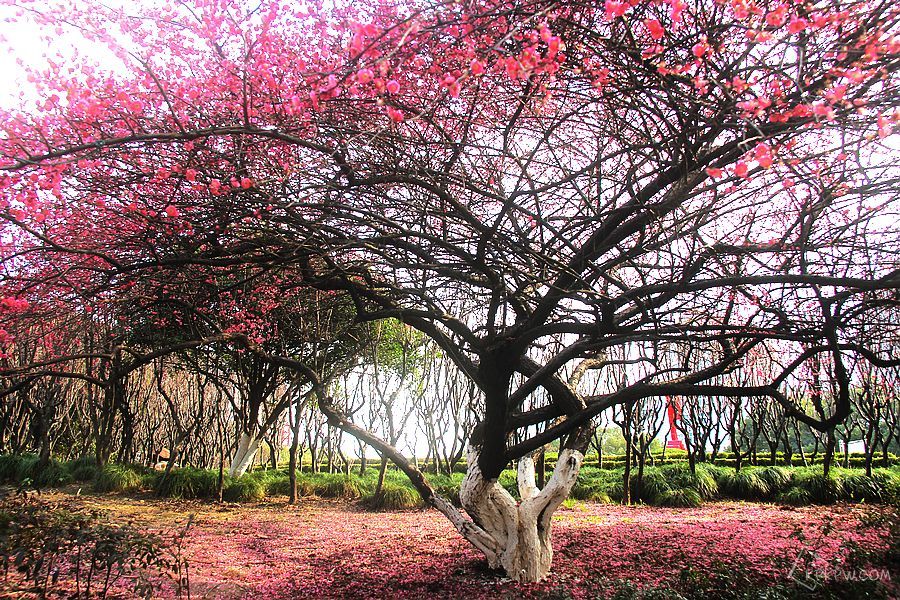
[(654, 28), (614, 9)]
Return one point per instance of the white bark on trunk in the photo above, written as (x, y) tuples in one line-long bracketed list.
[(513, 536), (244, 455)]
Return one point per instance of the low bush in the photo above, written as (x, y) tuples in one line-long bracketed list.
[(778, 479), (702, 480), (187, 482), (118, 478), (333, 485), (84, 468), (680, 498), (748, 484), (279, 484), (394, 497), (245, 489), (651, 487), (595, 492), (794, 495), (54, 474), (53, 550), (821, 489)]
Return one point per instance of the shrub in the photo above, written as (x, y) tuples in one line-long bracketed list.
[(745, 485), (680, 498), (777, 479), (616, 491), (9, 466), (48, 547), (332, 485), (651, 486), (187, 482), (84, 468), (593, 491), (821, 489), (859, 487), (701, 481), (395, 497), (55, 474), (794, 495), (118, 478), (244, 489), (891, 479), (280, 484), (341, 487)]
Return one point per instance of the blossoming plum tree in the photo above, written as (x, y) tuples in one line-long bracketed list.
[(542, 188)]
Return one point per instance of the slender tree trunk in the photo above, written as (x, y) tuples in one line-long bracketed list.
[(382, 471), (273, 455), (626, 476), (829, 453), (292, 459), (363, 460), (220, 483), (600, 455)]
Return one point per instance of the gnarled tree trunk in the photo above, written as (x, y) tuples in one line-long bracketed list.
[(514, 536), (517, 534)]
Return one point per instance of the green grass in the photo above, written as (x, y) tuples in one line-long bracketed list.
[(83, 468), (55, 474), (187, 482), (245, 489), (118, 478), (680, 498), (670, 484), (748, 484), (394, 496)]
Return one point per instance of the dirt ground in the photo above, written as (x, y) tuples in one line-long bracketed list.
[(333, 549)]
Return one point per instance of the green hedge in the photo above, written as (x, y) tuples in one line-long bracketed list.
[(669, 483)]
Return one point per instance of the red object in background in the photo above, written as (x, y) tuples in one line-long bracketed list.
[(673, 407)]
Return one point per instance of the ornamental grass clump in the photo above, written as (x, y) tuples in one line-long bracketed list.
[(702, 480), (245, 489), (394, 496), (84, 468), (680, 498), (651, 487), (747, 484), (335, 485), (53, 474), (186, 483), (822, 489), (118, 478), (777, 479)]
